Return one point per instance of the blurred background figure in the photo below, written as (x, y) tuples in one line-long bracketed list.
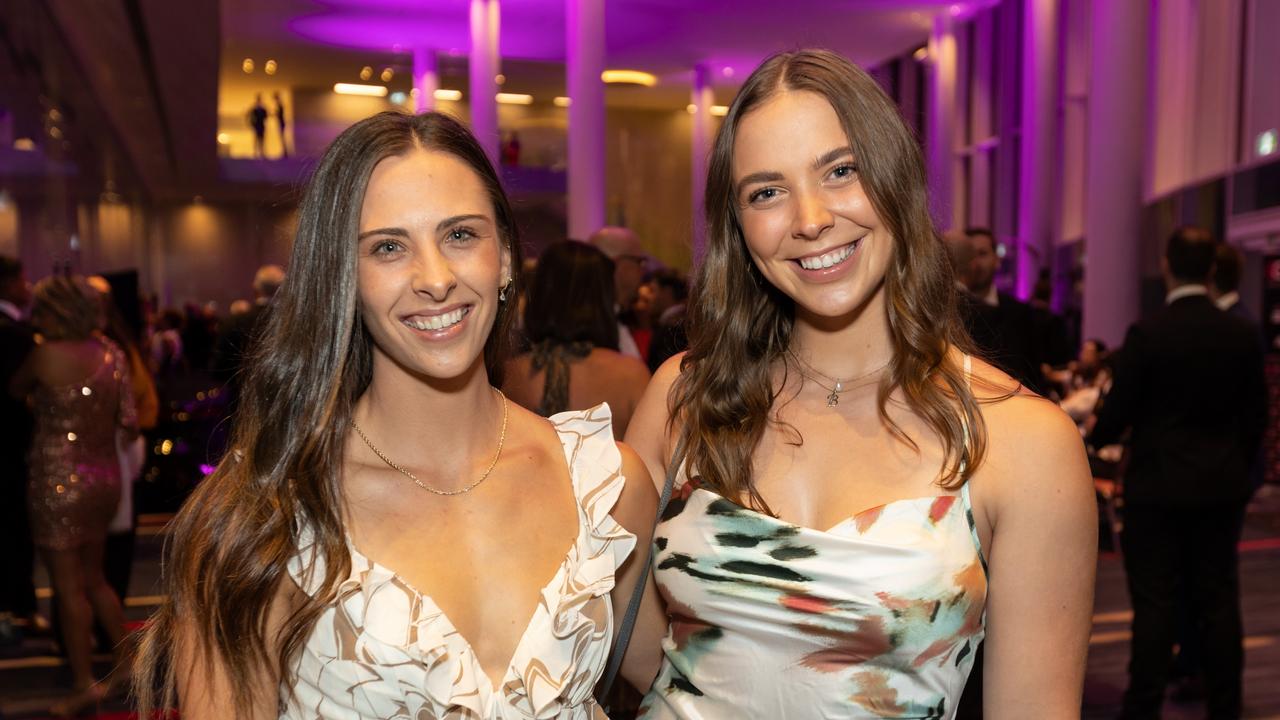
[(670, 291), (238, 331), (1016, 337), (258, 123), (17, 340), (623, 247), (572, 329), (121, 531), (78, 384), (1189, 382), (278, 115)]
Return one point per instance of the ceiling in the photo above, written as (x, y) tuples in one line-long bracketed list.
[(135, 83), (320, 42)]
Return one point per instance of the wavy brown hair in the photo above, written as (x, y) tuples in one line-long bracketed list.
[(229, 545), (739, 324)]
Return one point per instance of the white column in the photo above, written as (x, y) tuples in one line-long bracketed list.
[(702, 100), (584, 36), (426, 78), (484, 71), (1037, 170), (940, 120), (1113, 191)]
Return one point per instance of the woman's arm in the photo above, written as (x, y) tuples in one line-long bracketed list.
[(647, 432), (1037, 495), (635, 511), (204, 686)]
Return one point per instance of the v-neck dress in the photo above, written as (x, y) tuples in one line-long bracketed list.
[(384, 650)]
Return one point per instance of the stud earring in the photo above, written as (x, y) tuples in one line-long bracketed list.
[(502, 291)]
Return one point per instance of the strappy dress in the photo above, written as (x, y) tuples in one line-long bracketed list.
[(877, 617), (384, 650)]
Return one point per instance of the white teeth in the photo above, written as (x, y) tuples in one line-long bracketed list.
[(835, 257), (437, 322)]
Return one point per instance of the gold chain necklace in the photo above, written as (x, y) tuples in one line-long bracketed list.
[(502, 438), (838, 386)]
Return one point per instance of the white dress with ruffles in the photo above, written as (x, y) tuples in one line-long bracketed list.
[(384, 650)]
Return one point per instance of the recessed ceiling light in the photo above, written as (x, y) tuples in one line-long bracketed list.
[(628, 77), (386, 75), (24, 144), (247, 65), (223, 138), (366, 73), (270, 68), (562, 101), (452, 95), (514, 99), (500, 79), (354, 89)]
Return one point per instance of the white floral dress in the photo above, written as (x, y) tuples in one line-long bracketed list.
[(384, 650)]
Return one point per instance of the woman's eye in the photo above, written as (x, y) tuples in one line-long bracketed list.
[(844, 171), (763, 194), (461, 234), (385, 247)]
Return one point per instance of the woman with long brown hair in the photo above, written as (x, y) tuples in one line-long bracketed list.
[(389, 537), (859, 499), (573, 361)]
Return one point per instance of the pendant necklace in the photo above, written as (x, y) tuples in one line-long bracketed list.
[(837, 385)]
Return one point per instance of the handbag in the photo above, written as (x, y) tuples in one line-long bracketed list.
[(633, 605)]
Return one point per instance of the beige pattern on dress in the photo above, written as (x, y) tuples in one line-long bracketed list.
[(384, 650)]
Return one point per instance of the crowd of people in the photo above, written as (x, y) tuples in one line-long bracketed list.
[(836, 471)]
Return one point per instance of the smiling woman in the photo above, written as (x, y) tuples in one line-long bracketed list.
[(857, 495), (371, 436)]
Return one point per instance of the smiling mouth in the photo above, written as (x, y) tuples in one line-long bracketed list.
[(438, 322), (829, 259)]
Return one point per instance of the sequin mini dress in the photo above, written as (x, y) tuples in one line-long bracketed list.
[(74, 469)]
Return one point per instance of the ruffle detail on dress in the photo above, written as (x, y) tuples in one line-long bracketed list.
[(411, 657), (576, 608)]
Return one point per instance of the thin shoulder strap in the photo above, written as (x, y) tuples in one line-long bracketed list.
[(633, 605), (964, 489)]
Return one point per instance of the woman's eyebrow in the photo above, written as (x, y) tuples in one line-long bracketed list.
[(831, 156)]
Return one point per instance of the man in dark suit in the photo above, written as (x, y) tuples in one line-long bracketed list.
[(1189, 383), (1013, 335), (17, 555)]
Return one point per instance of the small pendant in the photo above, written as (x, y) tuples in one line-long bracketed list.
[(834, 399)]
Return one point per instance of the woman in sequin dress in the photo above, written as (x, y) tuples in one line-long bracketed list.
[(77, 382)]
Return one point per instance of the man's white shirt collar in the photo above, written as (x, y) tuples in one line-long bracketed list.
[(1185, 291)]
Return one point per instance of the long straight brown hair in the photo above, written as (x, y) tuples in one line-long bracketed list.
[(229, 545), (739, 324)]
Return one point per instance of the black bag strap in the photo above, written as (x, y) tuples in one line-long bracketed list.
[(633, 606)]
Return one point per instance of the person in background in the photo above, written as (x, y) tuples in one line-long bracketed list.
[(278, 115), (257, 118), (17, 558), (77, 383), (238, 332), (573, 362), (670, 293), (1002, 326), (623, 247), (1189, 383), (121, 530)]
